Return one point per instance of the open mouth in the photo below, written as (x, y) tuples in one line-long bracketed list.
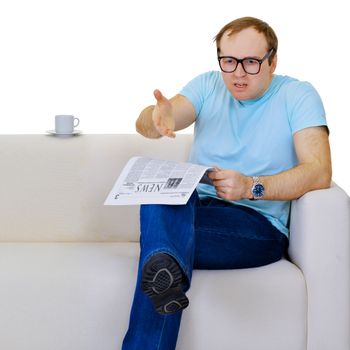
[(240, 86)]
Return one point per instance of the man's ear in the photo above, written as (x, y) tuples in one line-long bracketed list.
[(274, 63)]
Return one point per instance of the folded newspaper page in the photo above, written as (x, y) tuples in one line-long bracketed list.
[(153, 181)]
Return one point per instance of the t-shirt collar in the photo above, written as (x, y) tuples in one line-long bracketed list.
[(263, 97)]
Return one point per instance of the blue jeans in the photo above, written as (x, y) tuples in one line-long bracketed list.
[(203, 234)]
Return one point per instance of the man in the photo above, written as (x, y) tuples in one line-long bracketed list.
[(267, 136)]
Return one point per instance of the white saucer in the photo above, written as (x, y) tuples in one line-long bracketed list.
[(53, 132)]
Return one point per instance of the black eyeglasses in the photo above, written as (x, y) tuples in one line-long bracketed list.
[(251, 65)]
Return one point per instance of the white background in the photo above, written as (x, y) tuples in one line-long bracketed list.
[(101, 59)]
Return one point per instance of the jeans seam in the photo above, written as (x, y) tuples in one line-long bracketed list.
[(226, 233), (161, 332)]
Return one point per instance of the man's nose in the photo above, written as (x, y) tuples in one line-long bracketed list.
[(240, 72)]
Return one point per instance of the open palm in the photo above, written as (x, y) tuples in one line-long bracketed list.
[(162, 115)]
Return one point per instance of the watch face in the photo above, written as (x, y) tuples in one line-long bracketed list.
[(258, 190)]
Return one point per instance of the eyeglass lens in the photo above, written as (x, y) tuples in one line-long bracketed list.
[(250, 65)]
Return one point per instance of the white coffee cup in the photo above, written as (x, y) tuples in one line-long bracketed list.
[(65, 124)]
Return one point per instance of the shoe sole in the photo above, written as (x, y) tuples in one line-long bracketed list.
[(162, 282)]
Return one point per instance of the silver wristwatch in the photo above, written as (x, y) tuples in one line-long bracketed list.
[(258, 188)]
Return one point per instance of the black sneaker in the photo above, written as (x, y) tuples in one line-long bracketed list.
[(162, 281)]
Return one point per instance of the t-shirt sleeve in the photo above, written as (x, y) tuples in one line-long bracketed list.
[(198, 89), (305, 108)]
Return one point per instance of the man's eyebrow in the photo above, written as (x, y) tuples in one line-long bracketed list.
[(252, 56), (256, 57)]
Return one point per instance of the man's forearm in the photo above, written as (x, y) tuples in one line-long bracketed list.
[(288, 185), (144, 124), (313, 172), (294, 183)]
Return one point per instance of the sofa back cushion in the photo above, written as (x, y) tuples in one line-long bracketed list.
[(53, 189)]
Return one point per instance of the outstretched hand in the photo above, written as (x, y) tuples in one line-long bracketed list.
[(162, 115)]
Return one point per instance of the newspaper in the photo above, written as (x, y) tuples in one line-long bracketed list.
[(154, 181)]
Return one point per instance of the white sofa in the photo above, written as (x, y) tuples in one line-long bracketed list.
[(68, 263)]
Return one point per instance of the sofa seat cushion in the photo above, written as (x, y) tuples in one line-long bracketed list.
[(65, 295), (78, 296), (262, 308)]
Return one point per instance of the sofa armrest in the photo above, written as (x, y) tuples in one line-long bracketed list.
[(320, 247)]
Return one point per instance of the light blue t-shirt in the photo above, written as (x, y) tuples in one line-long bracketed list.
[(254, 137)]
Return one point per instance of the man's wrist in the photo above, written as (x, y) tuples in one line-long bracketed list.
[(249, 182), (257, 189)]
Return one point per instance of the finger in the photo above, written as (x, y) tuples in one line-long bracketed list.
[(220, 194), (159, 96), (166, 132), (162, 130), (221, 175), (219, 183), (212, 174), (171, 134), (217, 175)]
